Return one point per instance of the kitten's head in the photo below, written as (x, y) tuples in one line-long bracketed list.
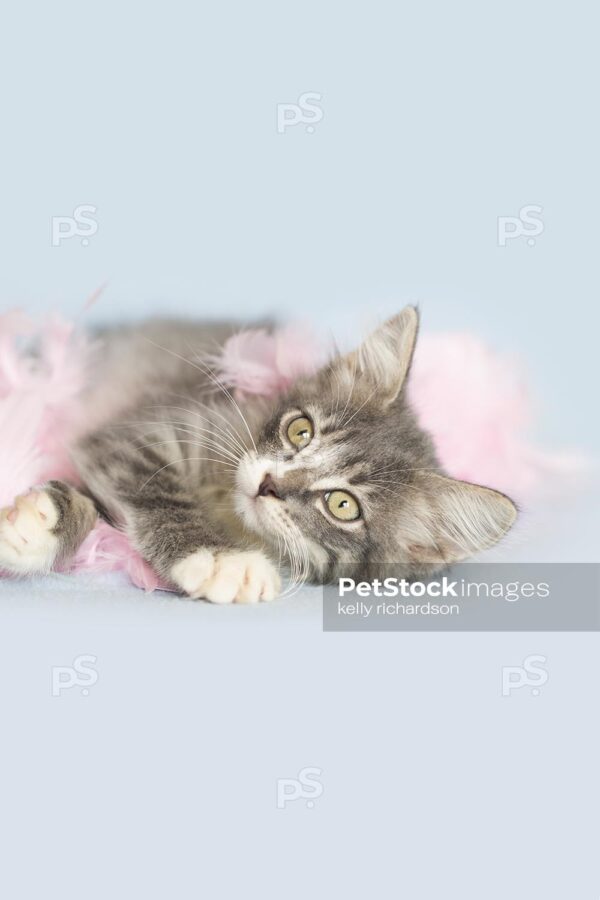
[(344, 478)]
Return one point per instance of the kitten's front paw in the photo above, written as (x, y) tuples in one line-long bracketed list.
[(227, 576), (27, 541)]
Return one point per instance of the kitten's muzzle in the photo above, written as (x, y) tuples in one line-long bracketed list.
[(268, 488)]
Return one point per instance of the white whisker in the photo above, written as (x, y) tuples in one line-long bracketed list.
[(186, 459), (205, 371)]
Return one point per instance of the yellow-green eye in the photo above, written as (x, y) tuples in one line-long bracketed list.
[(300, 432), (343, 506)]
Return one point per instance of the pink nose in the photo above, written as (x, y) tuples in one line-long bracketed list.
[(268, 488)]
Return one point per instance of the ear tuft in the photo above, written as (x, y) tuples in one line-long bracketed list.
[(458, 519), (384, 358)]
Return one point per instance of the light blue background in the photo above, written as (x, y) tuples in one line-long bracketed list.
[(437, 119)]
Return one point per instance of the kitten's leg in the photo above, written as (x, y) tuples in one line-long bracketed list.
[(170, 529), (151, 499), (44, 527)]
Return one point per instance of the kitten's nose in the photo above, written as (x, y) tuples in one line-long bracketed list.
[(268, 488)]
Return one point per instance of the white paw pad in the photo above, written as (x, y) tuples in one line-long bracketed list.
[(27, 543), (227, 576)]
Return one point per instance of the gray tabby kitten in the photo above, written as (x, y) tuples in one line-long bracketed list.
[(335, 476)]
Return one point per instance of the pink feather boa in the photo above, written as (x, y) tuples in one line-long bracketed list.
[(472, 400)]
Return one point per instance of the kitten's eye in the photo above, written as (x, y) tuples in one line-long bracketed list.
[(300, 432), (342, 506)]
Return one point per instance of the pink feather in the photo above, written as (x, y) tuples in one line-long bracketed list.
[(476, 405), (256, 362), (108, 550)]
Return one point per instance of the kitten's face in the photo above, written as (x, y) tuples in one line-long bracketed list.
[(344, 479)]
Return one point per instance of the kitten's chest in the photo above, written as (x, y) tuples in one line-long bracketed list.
[(214, 495), (217, 500)]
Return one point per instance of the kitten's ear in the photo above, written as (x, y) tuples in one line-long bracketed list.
[(385, 357), (455, 519)]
